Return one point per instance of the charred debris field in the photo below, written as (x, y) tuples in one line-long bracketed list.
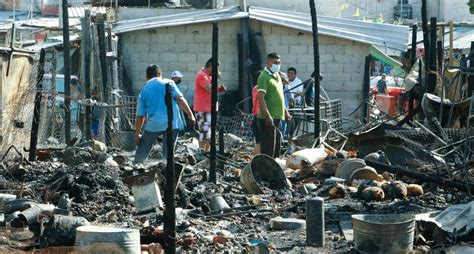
[(258, 205)]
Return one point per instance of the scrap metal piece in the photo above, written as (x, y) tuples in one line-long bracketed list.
[(456, 220)]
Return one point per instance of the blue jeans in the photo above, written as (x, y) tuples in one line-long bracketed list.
[(147, 141)]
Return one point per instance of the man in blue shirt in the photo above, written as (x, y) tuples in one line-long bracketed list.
[(152, 108)]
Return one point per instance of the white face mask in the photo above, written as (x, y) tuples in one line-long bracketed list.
[(275, 68)]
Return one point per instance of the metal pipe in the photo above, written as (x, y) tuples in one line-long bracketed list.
[(170, 212), (37, 110), (215, 70), (431, 133), (316, 74), (67, 73)]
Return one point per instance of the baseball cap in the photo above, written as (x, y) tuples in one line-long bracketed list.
[(176, 74)]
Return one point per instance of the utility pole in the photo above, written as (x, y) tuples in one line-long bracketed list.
[(67, 73), (316, 73)]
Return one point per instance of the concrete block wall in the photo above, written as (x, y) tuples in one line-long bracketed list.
[(341, 61), (183, 48)]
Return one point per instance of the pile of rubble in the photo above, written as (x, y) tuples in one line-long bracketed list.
[(255, 205)]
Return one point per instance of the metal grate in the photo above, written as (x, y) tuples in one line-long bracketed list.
[(332, 113), (240, 125)]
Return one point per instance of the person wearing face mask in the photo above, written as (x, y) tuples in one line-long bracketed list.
[(272, 108)]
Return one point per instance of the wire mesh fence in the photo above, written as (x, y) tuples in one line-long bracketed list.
[(17, 100)]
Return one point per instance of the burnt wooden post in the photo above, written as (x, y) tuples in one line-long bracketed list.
[(432, 74), (215, 63), (37, 110), (413, 44), (67, 74), (170, 212), (244, 70), (470, 68), (86, 48), (103, 69), (220, 163), (316, 74), (426, 34), (366, 89)]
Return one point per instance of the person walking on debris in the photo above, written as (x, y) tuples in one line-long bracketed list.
[(271, 106), (151, 106), (256, 132), (202, 103), (382, 85), (177, 77), (95, 115)]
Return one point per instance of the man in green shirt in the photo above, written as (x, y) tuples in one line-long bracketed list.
[(271, 106)]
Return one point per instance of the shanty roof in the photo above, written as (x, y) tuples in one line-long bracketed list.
[(383, 35), (463, 36), (187, 18)]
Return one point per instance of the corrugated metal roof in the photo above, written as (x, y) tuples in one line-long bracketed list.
[(463, 39), (79, 11), (180, 19), (384, 35)]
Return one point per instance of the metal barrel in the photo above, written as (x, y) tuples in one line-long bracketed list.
[(315, 234), (217, 203), (387, 233), (262, 168), (31, 214), (104, 239), (5, 198)]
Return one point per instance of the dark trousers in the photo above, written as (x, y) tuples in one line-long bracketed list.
[(271, 138)]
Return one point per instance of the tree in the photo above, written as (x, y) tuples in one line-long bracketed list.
[(471, 6)]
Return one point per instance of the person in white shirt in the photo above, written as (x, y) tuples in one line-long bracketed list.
[(294, 82)]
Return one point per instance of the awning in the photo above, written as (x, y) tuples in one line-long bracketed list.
[(384, 58)]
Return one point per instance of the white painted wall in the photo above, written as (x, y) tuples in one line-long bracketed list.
[(186, 48), (183, 48)]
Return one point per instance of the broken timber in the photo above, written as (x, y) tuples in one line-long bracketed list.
[(419, 175)]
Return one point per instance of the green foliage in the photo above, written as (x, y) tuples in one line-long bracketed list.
[(471, 6)]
